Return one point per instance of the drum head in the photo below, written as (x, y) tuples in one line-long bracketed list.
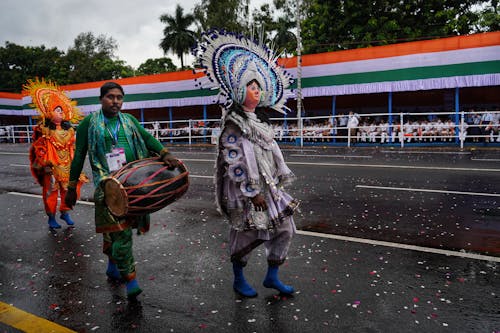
[(115, 197)]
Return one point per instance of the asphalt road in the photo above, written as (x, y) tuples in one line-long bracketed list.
[(389, 241)]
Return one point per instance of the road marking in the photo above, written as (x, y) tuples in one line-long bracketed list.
[(39, 196), (28, 322), (356, 240), (12, 153), (428, 190), (486, 159), (338, 156), (199, 176), (392, 166), (426, 152), (347, 165), (401, 246)]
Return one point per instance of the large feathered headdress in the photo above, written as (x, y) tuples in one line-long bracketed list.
[(46, 96), (231, 61)]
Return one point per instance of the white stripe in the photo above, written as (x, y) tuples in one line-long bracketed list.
[(401, 246), (486, 159), (12, 153), (405, 85), (39, 196), (10, 101), (350, 165), (338, 156), (479, 54), (428, 190), (426, 152), (200, 176), (393, 166)]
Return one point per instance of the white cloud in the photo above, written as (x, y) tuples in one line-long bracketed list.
[(135, 25)]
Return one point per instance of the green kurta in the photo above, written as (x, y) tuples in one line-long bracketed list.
[(97, 135)]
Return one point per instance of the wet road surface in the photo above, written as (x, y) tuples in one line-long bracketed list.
[(443, 200)]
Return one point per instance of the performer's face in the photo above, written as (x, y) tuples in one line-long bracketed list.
[(252, 97), (57, 115), (111, 103)]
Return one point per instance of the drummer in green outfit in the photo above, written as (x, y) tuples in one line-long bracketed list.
[(112, 138)]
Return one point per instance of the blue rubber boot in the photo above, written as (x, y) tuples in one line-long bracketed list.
[(53, 223), (240, 285), (272, 281), (65, 216), (133, 289), (113, 273)]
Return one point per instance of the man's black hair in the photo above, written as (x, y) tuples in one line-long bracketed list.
[(108, 86)]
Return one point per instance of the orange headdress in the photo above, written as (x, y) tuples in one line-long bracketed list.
[(46, 96)]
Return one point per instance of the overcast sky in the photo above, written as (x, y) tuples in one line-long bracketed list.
[(134, 24)]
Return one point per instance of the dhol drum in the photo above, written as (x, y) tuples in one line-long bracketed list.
[(144, 186)]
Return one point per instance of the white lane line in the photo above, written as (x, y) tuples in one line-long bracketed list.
[(338, 156), (190, 175), (392, 166), (349, 165), (197, 160), (486, 159), (350, 239), (426, 152), (12, 153), (401, 246), (200, 176), (427, 190), (39, 196)]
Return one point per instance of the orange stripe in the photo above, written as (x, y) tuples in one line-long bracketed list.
[(376, 52), (157, 78), (10, 95)]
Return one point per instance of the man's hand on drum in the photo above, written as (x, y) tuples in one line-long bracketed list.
[(70, 197), (170, 161), (259, 202)]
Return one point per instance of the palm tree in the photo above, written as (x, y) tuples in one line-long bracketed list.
[(176, 36)]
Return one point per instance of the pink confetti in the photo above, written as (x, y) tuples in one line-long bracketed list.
[(415, 299)]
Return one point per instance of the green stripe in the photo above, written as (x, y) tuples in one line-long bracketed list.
[(10, 107), (418, 73)]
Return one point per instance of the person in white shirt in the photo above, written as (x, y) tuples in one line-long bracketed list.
[(352, 125)]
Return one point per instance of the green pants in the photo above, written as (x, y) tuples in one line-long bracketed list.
[(118, 247)]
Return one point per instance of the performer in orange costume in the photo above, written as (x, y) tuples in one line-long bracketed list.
[(53, 146)]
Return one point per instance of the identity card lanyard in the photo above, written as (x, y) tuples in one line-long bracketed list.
[(116, 158), (114, 135)]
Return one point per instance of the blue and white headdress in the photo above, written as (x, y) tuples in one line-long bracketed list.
[(231, 61)]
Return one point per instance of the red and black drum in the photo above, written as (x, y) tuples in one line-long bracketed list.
[(144, 186)]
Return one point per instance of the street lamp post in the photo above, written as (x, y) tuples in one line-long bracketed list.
[(299, 74)]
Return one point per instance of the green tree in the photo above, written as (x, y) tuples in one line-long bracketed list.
[(489, 19), (20, 63), (229, 15), (90, 59), (336, 25), (176, 35), (156, 66)]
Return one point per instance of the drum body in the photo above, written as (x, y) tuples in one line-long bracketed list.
[(144, 186)]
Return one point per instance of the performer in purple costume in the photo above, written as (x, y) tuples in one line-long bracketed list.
[(250, 169)]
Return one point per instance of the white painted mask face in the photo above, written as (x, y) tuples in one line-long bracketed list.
[(252, 97)]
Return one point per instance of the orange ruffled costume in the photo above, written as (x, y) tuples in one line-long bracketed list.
[(53, 144)]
